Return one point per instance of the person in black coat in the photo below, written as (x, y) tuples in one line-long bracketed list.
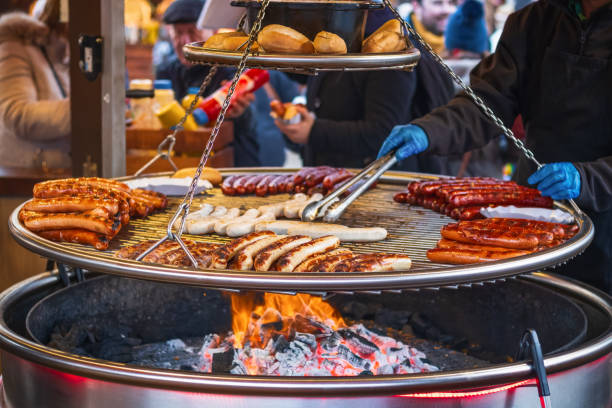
[(349, 114), (181, 17), (553, 66)]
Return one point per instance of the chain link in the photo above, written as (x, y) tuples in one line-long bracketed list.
[(470, 92), (185, 205)]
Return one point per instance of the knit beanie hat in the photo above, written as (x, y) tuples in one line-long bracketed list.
[(466, 29)]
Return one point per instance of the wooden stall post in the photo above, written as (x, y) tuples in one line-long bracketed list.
[(98, 106)]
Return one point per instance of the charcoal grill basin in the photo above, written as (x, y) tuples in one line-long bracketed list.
[(36, 375), (412, 231)]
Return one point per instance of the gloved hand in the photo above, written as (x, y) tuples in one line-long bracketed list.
[(407, 139), (559, 181)]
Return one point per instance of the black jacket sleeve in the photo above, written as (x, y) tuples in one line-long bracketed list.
[(461, 126), (596, 184), (387, 99)]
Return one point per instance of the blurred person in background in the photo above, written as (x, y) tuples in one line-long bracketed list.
[(467, 42), (429, 19), (34, 88), (180, 19), (348, 114)]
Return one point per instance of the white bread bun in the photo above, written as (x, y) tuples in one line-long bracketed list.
[(329, 43), (278, 38), (388, 38)]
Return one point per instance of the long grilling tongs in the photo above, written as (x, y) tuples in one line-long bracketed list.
[(323, 208)]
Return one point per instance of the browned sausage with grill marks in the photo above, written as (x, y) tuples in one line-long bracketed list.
[(78, 236), (266, 257), (290, 260), (223, 255)]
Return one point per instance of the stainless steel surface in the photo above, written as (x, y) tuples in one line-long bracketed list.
[(405, 60), (412, 231), (580, 375), (470, 92)]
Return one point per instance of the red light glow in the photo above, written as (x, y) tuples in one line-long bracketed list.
[(465, 394)]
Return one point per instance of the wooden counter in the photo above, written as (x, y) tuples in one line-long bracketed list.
[(16, 187), (141, 146)]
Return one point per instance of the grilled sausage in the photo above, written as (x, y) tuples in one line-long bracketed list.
[(336, 177), (261, 189), (301, 175), (347, 264), (240, 227), (133, 251), (383, 263), (274, 185), (401, 197), (223, 255), (239, 184), (448, 244), (267, 256), (93, 182), (445, 191), (220, 226), (329, 263), (504, 223), (72, 204), (292, 209), (316, 259), (290, 260), (278, 208), (158, 200), (77, 236), (251, 183), (523, 199), (317, 176), (319, 229), (206, 225), (512, 238), (227, 187), (430, 187), (201, 251), (158, 253), (456, 256), (60, 221), (243, 260)]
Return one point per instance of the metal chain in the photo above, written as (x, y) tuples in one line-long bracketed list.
[(470, 92), (185, 205)]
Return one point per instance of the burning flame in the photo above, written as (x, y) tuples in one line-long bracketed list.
[(255, 317)]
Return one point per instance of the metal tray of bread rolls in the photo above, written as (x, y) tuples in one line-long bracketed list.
[(411, 230), (305, 63)]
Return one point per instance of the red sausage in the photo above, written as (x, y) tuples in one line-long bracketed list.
[(316, 177), (252, 182), (273, 187), (335, 178), (238, 185), (228, 185), (401, 197), (262, 187)]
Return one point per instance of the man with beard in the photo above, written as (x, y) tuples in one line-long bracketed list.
[(429, 19)]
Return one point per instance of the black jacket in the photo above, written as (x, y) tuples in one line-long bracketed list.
[(245, 144), (356, 111), (555, 71)]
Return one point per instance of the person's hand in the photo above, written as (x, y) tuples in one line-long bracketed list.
[(407, 139), (239, 105), (559, 181), (299, 132)]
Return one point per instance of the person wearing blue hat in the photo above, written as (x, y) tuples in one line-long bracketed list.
[(180, 19), (552, 66), (466, 30)]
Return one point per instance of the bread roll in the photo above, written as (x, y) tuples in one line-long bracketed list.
[(278, 38), (231, 41), (329, 43), (388, 38), (216, 41), (208, 173)]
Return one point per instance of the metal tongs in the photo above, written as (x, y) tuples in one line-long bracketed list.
[(323, 208)]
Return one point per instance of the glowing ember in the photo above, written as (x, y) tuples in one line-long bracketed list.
[(303, 336)]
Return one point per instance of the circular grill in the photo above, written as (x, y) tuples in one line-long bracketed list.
[(412, 231)]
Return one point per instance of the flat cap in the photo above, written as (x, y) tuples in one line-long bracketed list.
[(183, 11)]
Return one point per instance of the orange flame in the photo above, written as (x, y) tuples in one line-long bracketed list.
[(251, 311)]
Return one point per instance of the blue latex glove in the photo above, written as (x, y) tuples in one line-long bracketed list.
[(559, 181), (407, 139)]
